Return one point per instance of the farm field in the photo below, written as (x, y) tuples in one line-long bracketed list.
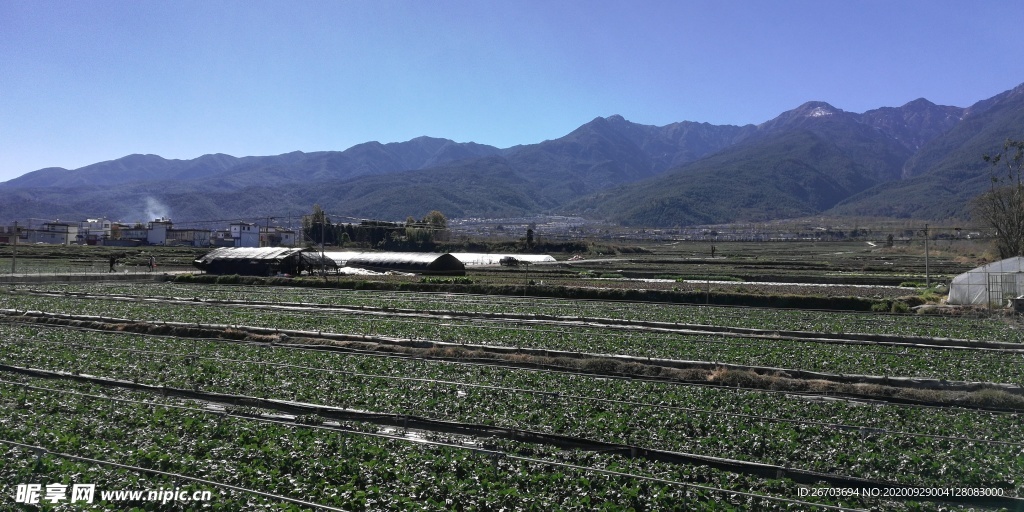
[(46, 259), (840, 264), (972, 328), (575, 326), (848, 268), (378, 400)]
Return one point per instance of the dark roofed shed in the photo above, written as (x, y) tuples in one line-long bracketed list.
[(261, 261)]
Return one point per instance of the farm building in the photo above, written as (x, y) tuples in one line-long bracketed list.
[(261, 261), (415, 262), (990, 284)]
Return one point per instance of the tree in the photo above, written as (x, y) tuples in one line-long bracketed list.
[(1002, 207), (317, 226), (436, 220)]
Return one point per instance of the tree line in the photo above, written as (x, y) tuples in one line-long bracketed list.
[(422, 235)]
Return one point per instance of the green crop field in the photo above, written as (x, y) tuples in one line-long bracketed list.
[(300, 398)]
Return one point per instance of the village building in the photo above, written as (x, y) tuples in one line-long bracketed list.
[(94, 231), (137, 233), (222, 238), (275, 236), (189, 236), (245, 234), (157, 233), (60, 233), (7, 235)]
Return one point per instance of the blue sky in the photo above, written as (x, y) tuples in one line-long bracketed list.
[(88, 81)]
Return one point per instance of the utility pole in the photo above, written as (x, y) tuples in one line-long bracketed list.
[(268, 229), (927, 272), (14, 257)]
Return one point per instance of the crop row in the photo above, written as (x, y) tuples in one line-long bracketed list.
[(341, 469), (948, 422), (918, 362), (920, 460), (757, 318)]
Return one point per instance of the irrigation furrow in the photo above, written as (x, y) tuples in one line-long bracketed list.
[(526, 436), (560, 396), (527, 366), (568, 321), (890, 389), (412, 436)]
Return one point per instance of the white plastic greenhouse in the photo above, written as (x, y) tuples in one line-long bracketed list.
[(477, 259), (990, 285)]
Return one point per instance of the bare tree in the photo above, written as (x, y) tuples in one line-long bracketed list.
[(1002, 207)]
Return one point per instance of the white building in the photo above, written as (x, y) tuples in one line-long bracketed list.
[(60, 233), (287, 237), (157, 234), (91, 231), (277, 237), (245, 234)]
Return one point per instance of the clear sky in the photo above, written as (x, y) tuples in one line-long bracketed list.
[(87, 81)]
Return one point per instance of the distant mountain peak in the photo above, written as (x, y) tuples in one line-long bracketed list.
[(918, 104), (816, 109), (809, 112), (804, 161)]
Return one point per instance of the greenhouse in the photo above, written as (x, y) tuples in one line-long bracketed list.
[(992, 285), (262, 261), (479, 259), (415, 262)]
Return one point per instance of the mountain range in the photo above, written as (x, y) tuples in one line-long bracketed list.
[(920, 160)]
